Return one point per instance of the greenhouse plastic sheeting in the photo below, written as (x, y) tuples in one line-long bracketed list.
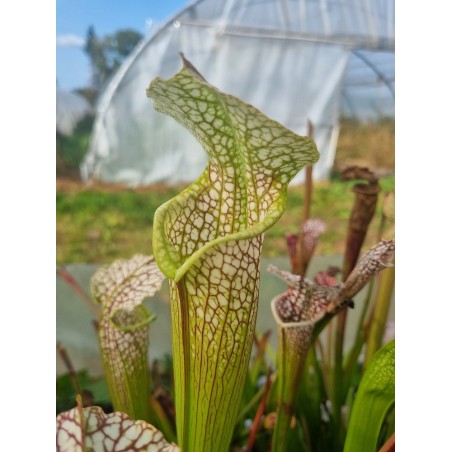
[(294, 60), (70, 109)]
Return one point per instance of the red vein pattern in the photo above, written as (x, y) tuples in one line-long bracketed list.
[(91, 430), (208, 241), (124, 329), (298, 309), (304, 303)]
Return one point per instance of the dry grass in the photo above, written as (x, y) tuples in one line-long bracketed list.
[(371, 145)]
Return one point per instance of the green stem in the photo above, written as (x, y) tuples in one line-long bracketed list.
[(338, 373), (250, 405), (181, 360), (360, 337), (160, 420), (293, 344), (380, 314)]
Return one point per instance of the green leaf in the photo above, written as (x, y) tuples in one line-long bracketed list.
[(375, 397), (311, 395), (90, 429), (123, 329), (99, 389), (208, 241), (66, 392)]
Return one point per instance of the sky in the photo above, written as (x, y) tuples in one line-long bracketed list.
[(73, 17)]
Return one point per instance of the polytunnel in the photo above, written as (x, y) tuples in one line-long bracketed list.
[(295, 60), (70, 109)]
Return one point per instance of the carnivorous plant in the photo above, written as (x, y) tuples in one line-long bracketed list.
[(208, 240)]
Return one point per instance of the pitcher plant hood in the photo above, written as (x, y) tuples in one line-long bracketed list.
[(208, 240), (242, 191)]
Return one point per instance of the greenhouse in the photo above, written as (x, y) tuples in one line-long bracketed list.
[(296, 61), (70, 109)]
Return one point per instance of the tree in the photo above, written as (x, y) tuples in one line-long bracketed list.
[(108, 53)]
